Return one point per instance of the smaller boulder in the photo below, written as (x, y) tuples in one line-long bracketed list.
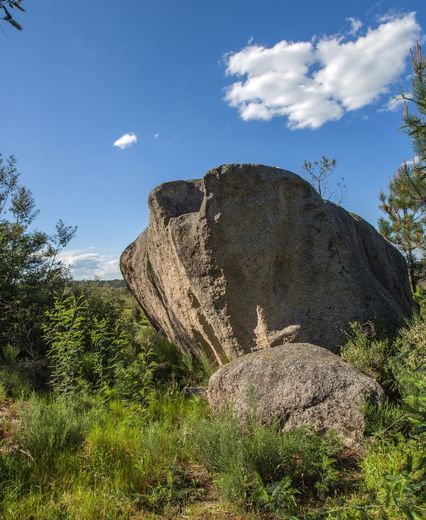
[(297, 384)]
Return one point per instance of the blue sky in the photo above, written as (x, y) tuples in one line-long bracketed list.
[(199, 84)]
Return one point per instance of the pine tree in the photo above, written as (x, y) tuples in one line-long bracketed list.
[(414, 125), (405, 220), (405, 203), (6, 6)]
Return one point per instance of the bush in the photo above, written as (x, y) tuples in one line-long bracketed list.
[(260, 467), (395, 475), (15, 374), (90, 354), (368, 352), (173, 367), (409, 368), (386, 419)]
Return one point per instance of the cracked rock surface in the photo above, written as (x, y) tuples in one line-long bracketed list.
[(251, 257)]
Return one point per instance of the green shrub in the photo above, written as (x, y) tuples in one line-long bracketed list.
[(386, 419), (16, 375), (395, 476), (409, 369), (49, 428), (89, 354), (258, 466), (369, 353), (174, 367), (134, 380)]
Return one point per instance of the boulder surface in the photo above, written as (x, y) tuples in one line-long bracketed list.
[(296, 384), (251, 257)]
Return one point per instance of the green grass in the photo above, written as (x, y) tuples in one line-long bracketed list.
[(88, 457)]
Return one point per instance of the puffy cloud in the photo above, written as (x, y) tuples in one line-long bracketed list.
[(87, 265), (313, 82), (125, 141)]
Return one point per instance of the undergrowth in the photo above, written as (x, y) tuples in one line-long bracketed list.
[(116, 438)]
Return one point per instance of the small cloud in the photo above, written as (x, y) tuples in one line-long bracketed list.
[(156, 136), (355, 25), (88, 265), (250, 40), (125, 141), (393, 103)]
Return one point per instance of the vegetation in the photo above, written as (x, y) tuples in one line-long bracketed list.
[(405, 220), (113, 435), (94, 422), (30, 273), (7, 7), (414, 125), (404, 205), (318, 173)]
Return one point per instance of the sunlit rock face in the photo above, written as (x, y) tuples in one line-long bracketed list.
[(250, 257)]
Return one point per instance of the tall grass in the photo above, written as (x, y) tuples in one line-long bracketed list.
[(85, 457)]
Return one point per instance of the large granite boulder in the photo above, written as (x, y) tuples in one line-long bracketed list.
[(296, 384), (250, 257)]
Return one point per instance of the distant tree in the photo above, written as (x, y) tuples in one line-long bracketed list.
[(319, 173), (30, 271), (7, 6), (405, 221)]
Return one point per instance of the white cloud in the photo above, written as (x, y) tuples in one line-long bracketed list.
[(156, 136), (313, 82), (87, 265), (355, 25), (393, 104), (125, 141)]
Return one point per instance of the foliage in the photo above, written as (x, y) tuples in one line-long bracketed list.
[(415, 127), (386, 419), (319, 173), (90, 353), (15, 375), (369, 351), (395, 476), (7, 6), (173, 366), (64, 334), (405, 222), (30, 271), (397, 363), (49, 428), (261, 468), (405, 203), (404, 366), (393, 469), (409, 368), (74, 455), (88, 459)]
